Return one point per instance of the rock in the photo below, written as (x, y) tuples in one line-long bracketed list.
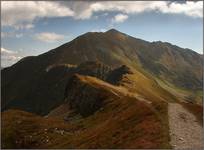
[(94, 68), (172, 134), (101, 109), (115, 76), (89, 100), (19, 121), (60, 132), (173, 145)]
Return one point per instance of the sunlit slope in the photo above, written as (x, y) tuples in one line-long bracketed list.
[(184, 95)]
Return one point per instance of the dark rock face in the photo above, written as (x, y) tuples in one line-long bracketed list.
[(115, 76), (82, 97), (94, 68)]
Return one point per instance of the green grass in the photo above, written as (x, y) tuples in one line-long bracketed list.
[(182, 94)]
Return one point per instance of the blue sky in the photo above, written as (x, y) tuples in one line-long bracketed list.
[(32, 28)]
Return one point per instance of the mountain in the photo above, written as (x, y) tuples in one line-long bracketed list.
[(27, 82), (100, 90)]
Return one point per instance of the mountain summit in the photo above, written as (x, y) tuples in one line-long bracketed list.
[(112, 31)]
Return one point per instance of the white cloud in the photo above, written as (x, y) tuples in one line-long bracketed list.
[(11, 35), (24, 26), (119, 18), (193, 9), (21, 14), (6, 51), (9, 57), (49, 37), (84, 10), (99, 30)]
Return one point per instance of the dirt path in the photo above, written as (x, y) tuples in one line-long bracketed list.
[(185, 131)]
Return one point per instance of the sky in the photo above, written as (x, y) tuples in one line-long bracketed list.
[(34, 27)]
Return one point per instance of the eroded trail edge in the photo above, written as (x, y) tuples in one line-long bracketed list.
[(185, 131)]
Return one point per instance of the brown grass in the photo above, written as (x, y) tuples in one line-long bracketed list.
[(123, 122)]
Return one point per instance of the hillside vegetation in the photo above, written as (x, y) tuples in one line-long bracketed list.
[(123, 120)]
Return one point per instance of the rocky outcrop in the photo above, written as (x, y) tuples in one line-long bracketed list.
[(115, 76), (94, 68), (84, 97)]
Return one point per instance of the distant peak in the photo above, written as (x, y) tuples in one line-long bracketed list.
[(112, 31)]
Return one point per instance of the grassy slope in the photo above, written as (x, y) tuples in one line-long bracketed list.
[(182, 94), (124, 122), (159, 86)]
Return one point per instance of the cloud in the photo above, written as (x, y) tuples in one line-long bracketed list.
[(21, 14), (119, 18), (49, 37), (6, 51), (19, 35), (85, 10), (190, 8), (9, 57), (11, 35), (24, 26), (99, 30)]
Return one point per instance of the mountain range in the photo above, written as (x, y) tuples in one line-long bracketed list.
[(105, 87)]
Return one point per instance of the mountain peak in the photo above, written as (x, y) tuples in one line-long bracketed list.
[(112, 31)]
